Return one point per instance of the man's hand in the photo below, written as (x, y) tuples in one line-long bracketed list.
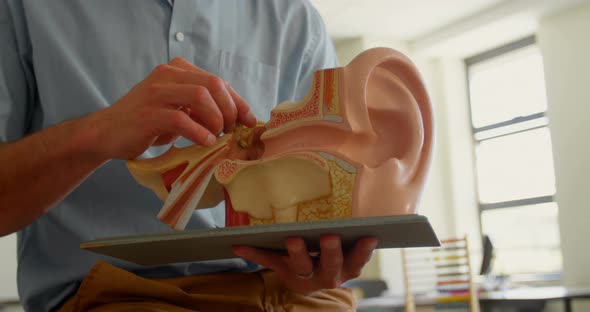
[(176, 99), (300, 272)]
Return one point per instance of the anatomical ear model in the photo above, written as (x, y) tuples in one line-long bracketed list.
[(358, 145)]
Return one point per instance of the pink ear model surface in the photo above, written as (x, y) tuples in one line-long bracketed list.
[(358, 145)]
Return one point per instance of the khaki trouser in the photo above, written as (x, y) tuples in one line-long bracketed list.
[(108, 288)]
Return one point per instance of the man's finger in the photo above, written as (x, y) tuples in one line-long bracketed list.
[(331, 260), (174, 74), (224, 102), (186, 65), (358, 257), (268, 259), (175, 121), (181, 71), (245, 114), (299, 259), (166, 138), (201, 106)]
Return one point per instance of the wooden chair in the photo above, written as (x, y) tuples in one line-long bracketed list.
[(441, 276)]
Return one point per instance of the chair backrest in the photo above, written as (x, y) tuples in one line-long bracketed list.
[(487, 255), (440, 275), (369, 288)]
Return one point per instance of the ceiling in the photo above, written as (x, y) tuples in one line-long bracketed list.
[(456, 28), (399, 19)]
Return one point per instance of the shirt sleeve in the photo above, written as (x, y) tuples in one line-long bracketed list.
[(16, 78), (320, 53)]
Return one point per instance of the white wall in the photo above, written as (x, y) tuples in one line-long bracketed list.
[(565, 44), (8, 268), (457, 148), (349, 48)]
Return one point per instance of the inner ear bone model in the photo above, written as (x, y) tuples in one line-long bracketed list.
[(358, 145)]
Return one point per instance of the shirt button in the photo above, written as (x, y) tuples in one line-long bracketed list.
[(179, 36)]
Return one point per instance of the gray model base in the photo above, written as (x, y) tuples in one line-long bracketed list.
[(209, 244)]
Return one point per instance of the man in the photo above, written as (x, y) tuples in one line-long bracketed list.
[(86, 85)]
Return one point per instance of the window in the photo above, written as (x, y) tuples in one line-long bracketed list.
[(514, 161)]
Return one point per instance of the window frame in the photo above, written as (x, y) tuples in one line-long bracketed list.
[(482, 207)]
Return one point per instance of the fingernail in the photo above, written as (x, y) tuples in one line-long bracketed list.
[(372, 245), (210, 140)]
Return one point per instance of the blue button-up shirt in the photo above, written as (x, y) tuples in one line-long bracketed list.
[(62, 59)]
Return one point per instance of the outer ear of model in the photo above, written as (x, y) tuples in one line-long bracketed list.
[(358, 145)]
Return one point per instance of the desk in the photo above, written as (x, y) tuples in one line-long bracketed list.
[(525, 299), (532, 298)]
